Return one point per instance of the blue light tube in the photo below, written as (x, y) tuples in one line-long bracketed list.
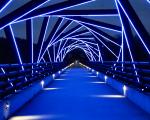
[(105, 45), (50, 42), (93, 51), (100, 55), (83, 40), (124, 33), (54, 53), (94, 25), (2, 69), (118, 58), (49, 55), (80, 34), (17, 50), (71, 33), (43, 60), (148, 1), (65, 37), (53, 43), (88, 48), (51, 11), (32, 39), (25, 14), (4, 7), (62, 47), (98, 15), (75, 48), (101, 35), (90, 38), (122, 47), (134, 27), (43, 39), (63, 30), (107, 39), (58, 51), (89, 42)]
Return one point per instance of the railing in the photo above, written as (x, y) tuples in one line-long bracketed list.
[(16, 77), (135, 74)]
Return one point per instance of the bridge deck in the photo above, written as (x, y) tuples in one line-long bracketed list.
[(79, 95)]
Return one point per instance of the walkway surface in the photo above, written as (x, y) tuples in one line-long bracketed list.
[(79, 95)]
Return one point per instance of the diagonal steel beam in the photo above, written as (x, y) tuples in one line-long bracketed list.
[(136, 23), (56, 7), (95, 23), (25, 9), (96, 12)]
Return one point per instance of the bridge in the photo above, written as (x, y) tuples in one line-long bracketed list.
[(74, 60)]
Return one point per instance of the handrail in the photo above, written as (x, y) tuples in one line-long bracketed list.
[(133, 73), (13, 78)]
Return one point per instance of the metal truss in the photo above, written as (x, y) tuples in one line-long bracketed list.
[(88, 34)]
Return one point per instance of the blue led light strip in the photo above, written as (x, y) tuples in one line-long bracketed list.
[(75, 48), (69, 34), (54, 54), (118, 58), (100, 55), (101, 35), (8, 78), (72, 45), (50, 42), (49, 55), (94, 25), (17, 50), (108, 39), (98, 15), (87, 47), (80, 34), (124, 33), (104, 45), (52, 11), (58, 50), (43, 60), (62, 47), (4, 7), (134, 28), (62, 31), (54, 43), (32, 39), (122, 47), (100, 40), (43, 38), (93, 51), (25, 14)]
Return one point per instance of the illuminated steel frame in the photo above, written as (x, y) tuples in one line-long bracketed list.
[(90, 40)]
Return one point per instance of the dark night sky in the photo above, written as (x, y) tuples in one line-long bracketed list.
[(142, 8)]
